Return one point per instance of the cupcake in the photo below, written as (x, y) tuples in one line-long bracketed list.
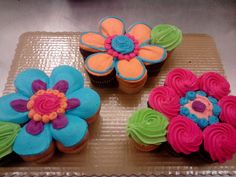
[(8, 133), (147, 129), (116, 57), (167, 36), (200, 112), (54, 112)]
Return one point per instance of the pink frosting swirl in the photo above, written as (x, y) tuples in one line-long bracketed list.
[(184, 135), (228, 113), (214, 85), (220, 141), (182, 80), (165, 100), (46, 103)]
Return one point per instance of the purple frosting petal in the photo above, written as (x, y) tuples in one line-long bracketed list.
[(38, 85), (34, 127), (72, 103), (19, 105), (60, 122), (198, 106), (61, 86)]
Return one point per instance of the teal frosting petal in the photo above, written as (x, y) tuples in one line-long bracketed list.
[(89, 103), (27, 144), (7, 113), (69, 74), (73, 133), (24, 80)]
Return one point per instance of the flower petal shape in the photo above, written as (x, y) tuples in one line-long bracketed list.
[(214, 85), (152, 54), (111, 25), (25, 79), (228, 110), (220, 141), (182, 80), (184, 135), (73, 133), (8, 113), (165, 100), (141, 32), (27, 144), (99, 63), (73, 77), (91, 41), (89, 103), (131, 70)]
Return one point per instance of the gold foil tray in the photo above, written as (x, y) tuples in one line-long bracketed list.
[(109, 152)]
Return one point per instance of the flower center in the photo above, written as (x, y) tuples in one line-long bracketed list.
[(122, 44), (46, 105), (122, 47), (200, 108)]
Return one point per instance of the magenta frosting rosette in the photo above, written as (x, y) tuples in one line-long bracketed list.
[(201, 113)]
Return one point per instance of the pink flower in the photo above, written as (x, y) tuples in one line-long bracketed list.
[(200, 111)]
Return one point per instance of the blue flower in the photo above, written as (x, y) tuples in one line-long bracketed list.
[(191, 95), (55, 108)]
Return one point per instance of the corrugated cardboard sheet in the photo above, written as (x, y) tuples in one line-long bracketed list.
[(109, 152)]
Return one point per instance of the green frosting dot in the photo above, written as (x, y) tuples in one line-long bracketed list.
[(147, 127), (8, 132), (167, 36)]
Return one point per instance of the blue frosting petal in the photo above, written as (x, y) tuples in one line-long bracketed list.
[(68, 73), (191, 95), (212, 100), (27, 144), (201, 93), (23, 82), (213, 120), (183, 101), (7, 113), (73, 133), (202, 122), (184, 111), (89, 103), (216, 109)]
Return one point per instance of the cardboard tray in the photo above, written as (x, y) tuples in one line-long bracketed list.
[(109, 152)]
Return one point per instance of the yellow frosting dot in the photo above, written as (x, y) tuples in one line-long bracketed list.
[(63, 105), (60, 110), (37, 117), (40, 92), (61, 95), (33, 97), (45, 119), (49, 91), (30, 104), (53, 116), (31, 113)]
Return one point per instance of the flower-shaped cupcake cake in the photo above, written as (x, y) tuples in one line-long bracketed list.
[(56, 109), (120, 55), (201, 113)]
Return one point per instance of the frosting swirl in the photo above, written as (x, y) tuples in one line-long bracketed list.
[(167, 36), (220, 141), (147, 127), (122, 44), (8, 132), (214, 85), (228, 112), (165, 100), (184, 135), (46, 103), (182, 80)]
